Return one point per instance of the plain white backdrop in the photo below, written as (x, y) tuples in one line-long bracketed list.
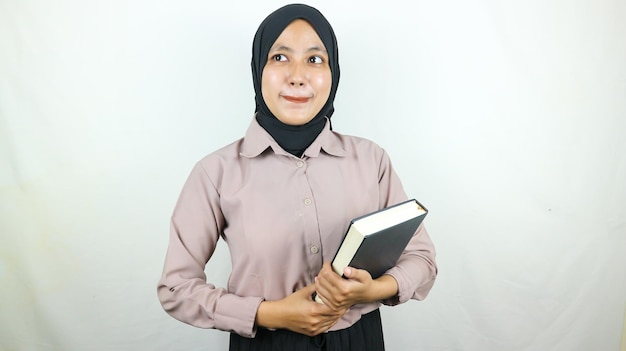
[(507, 119)]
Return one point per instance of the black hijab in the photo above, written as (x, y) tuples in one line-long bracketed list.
[(294, 139)]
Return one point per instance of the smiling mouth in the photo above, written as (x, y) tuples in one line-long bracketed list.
[(296, 99)]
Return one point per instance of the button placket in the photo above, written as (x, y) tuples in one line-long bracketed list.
[(313, 245)]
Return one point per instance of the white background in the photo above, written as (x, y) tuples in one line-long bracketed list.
[(507, 119)]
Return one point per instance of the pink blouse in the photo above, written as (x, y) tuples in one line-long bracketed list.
[(282, 217)]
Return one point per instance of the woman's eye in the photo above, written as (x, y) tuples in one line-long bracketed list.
[(316, 59), (279, 57)]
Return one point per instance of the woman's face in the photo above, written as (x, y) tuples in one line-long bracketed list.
[(296, 79)]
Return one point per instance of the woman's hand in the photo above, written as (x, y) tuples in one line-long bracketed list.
[(357, 286), (299, 313)]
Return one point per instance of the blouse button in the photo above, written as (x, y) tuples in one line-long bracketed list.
[(307, 201), (314, 249), (299, 164)]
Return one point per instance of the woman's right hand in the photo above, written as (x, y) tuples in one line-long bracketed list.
[(299, 313)]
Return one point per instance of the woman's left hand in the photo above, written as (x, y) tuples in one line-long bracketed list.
[(357, 286)]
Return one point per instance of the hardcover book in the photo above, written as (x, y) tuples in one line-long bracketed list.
[(375, 241)]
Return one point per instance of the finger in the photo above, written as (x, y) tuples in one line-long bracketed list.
[(332, 304), (309, 289), (359, 275), (326, 266), (350, 273), (323, 291), (324, 288), (327, 270), (329, 279), (330, 309), (327, 309)]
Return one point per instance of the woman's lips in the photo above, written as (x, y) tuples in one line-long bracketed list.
[(296, 99)]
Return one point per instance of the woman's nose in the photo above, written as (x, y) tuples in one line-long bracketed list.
[(297, 75)]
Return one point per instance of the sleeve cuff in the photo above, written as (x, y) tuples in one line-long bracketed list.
[(404, 293), (237, 314)]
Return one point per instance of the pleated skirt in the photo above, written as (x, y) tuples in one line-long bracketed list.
[(364, 335)]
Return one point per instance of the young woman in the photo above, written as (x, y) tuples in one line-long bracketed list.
[(281, 198)]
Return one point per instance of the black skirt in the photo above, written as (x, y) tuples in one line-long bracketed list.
[(364, 335)]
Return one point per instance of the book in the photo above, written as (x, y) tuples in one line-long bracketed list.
[(375, 241)]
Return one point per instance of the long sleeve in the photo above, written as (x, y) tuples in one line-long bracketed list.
[(416, 269), (282, 217), (196, 225)]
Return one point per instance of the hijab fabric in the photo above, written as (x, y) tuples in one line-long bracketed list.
[(294, 139)]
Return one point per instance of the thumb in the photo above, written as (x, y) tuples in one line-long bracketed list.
[(309, 289), (351, 273), (359, 275)]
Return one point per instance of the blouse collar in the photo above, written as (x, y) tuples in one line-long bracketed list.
[(257, 140)]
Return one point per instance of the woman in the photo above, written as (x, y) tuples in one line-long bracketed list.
[(282, 198)]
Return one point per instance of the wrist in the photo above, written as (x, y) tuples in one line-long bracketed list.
[(267, 315), (384, 287)]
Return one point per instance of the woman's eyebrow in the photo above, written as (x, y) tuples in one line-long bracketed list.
[(282, 48), (288, 49), (317, 48)]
